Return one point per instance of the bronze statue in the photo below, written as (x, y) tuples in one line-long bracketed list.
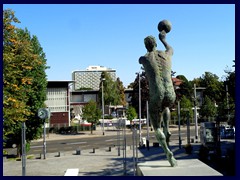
[(157, 66)]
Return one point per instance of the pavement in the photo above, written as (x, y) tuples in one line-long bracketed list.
[(102, 162)]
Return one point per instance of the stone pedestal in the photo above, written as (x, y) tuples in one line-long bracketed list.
[(189, 167)]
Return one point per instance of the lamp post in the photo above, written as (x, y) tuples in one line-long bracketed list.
[(195, 113), (139, 101), (103, 79)]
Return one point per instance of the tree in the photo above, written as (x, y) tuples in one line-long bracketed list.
[(208, 108), (185, 87), (227, 106), (111, 93), (144, 93), (214, 88), (131, 113), (91, 113), (120, 89), (113, 90), (186, 108), (24, 80)]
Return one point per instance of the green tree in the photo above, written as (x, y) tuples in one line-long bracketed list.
[(24, 80), (91, 113), (208, 108), (120, 89), (186, 108), (227, 106), (111, 93), (214, 87), (131, 113), (144, 94), (185, 87)]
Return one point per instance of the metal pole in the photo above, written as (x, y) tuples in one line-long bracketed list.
[(147, 126), (44, 140), (23, 149), (118, 137), (140, 126), (227, 103), (195, 113), (133, 140), (179, 126), (103, 107), (136, 146), (124, 148), (188, 128)]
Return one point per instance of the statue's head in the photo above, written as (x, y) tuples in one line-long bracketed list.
[(150, 43)]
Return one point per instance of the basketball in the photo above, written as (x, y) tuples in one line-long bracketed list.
[(164, 25)]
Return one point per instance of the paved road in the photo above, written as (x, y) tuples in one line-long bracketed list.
[(101, 163), (83, 141)]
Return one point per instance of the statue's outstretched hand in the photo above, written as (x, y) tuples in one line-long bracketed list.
[(162, 35)]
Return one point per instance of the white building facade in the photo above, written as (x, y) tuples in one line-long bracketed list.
[(91, 77)]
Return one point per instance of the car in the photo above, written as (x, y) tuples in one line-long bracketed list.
[(229, 133)]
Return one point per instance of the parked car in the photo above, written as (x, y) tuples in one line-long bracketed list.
[(229, 133)]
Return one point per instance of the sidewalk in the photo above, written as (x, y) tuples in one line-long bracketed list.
[(101, 163)]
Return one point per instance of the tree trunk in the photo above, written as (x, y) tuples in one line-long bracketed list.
[(19, 149)]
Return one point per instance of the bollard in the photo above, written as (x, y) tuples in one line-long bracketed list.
[(59, 154), (78, 152), (93, 150), (110, 149)]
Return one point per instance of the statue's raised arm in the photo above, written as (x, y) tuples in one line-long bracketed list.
[(164, 27)]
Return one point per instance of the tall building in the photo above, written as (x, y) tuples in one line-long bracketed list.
[(91, 77)]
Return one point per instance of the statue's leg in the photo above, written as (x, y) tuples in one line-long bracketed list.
[(162, 140), (155, 120), (166, 118)]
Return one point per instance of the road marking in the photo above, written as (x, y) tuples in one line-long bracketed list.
[(35, 147), (111, 140), (178, 134), (77, 143)]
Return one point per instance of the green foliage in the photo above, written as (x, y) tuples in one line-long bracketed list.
[(111, 92), (214, 88), (186, 108), (144, 94), (120, 89), (91, 113), (24, 80), (131, 113), (208, 108), (185, 87)]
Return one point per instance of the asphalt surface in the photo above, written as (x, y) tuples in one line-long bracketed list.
[(94, 162)]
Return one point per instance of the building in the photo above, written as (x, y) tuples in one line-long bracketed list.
[(58, 102), (91, 77)]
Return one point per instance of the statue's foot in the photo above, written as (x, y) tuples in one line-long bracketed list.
[(172, 160)]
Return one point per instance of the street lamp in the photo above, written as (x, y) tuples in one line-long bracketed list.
[(139, 101), (103, 79)]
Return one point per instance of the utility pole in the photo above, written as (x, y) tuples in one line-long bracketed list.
[(147, 127), (195, 113), (227, 102), (103, 106), (179, 126), (140, 126)]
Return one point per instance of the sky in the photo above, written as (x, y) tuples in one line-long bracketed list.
[(75, 36)]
